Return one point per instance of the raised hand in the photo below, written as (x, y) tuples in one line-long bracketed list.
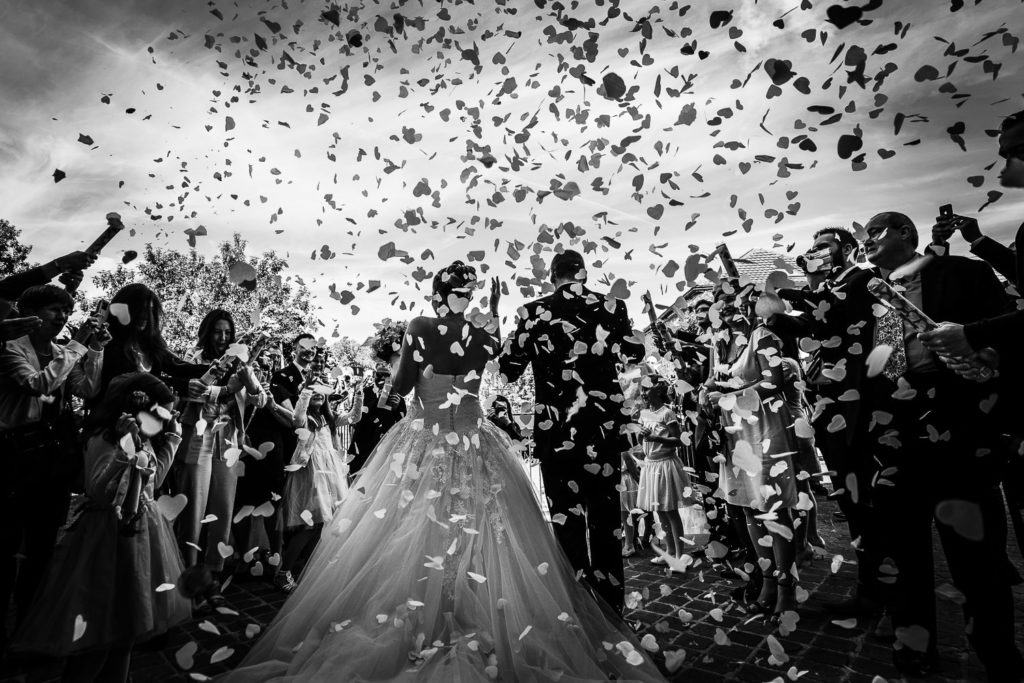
[(495, 296), (945, 227)]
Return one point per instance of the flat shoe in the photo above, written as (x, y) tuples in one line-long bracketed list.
[(659, 560)]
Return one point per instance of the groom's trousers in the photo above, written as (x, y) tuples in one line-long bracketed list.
[(584, 507)]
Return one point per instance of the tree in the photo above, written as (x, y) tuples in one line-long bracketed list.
[(347, 351), (13, 254), (190, 285)]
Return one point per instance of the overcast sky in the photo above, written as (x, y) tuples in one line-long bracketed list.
[(445, 135)]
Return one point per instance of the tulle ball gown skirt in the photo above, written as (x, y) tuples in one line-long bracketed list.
[(438, 566)]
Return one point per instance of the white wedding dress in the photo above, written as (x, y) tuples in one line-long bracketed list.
[(438, 566)]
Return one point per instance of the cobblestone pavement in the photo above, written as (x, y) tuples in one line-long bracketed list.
[(690, 612)]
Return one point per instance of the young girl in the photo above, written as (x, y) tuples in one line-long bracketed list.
[(627, 502), (111, 582), (316, 478), (663, 479)]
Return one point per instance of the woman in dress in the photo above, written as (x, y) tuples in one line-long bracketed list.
[(438, 565), (749, 380), (111, 582)]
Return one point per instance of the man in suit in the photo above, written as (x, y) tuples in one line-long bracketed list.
[(375, 420), (576, 339), (933, 435), (1001, 332), (838, 324), (273, 423)]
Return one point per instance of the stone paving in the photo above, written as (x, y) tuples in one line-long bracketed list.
[(690, 612)]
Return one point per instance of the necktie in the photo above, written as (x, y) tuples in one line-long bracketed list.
[(889, 330)]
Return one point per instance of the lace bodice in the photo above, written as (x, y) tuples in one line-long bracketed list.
[(451, 402)]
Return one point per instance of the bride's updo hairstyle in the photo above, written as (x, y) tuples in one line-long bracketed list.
[(453, 288)]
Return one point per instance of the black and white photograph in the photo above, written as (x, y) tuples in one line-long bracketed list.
[(511, 340)]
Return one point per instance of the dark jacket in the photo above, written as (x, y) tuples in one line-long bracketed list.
[(372, 426), (576, 340), (841, 319)]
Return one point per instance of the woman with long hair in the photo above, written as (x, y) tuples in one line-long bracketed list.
[(208, 458), (137, 344)]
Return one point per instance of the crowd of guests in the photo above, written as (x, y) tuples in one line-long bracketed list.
[(138, 480)]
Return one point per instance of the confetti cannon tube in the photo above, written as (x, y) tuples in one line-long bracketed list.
[(914, 315)]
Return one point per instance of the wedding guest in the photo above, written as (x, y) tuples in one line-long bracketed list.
[(111, 582), (316, 479), (501, 415), (376, 419), (39, 436), (263, 483), (770, 307), (628, 508), (137, 344), (940, 459), (664, 483), (758, 473), (1001, 332), (207, 476), (837, 320), (273, 424), (14, 285)]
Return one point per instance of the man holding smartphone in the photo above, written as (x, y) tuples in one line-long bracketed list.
[(1001, 332)]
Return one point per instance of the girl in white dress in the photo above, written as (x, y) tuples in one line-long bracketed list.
[(664, 483), (439, 565)]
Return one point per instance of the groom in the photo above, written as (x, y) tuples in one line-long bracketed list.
[(576, 340)]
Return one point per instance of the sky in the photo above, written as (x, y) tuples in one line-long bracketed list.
[(384, 140)]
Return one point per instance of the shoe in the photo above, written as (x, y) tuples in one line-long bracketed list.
[(659, 560), (913, 663), (857, 606), (284, 581)]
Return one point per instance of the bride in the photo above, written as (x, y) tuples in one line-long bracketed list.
[(438, 565)]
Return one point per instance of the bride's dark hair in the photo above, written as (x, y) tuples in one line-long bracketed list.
[(454, 279)]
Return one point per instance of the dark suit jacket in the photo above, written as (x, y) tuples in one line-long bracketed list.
[(1001, 332), (841, 318), (578, 396), (285, 385), (372, 426)]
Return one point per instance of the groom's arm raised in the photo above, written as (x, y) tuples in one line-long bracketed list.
[(517, 351)]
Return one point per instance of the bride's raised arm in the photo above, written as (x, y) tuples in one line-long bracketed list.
[(404, 377)]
